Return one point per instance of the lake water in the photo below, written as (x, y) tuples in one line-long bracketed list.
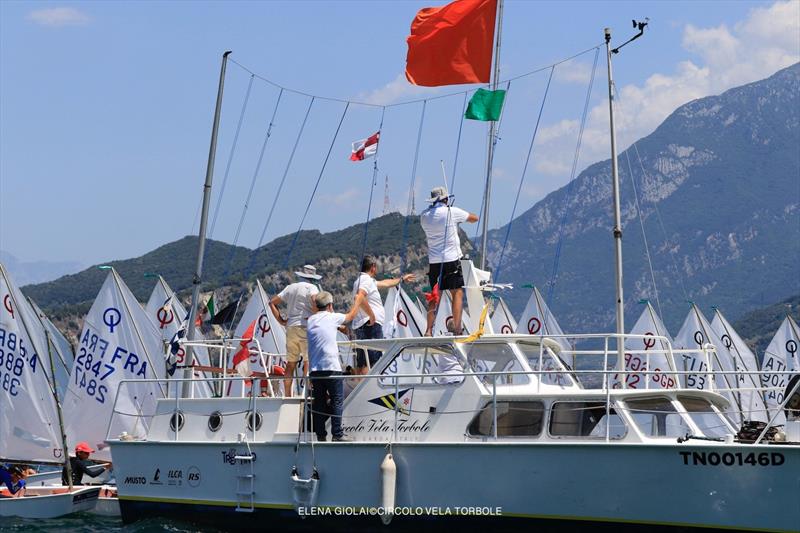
[(85, 523)]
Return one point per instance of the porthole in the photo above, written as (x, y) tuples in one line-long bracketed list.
[(176, 420), (258, 418), (215, 421)]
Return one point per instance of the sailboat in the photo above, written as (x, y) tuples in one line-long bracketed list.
[(537, 449), (502, 319), (31, 428), (780, 357), (649, 353), (403, 317), (62, 350)]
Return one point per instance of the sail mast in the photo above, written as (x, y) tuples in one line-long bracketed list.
[(62, 432), (201, 244), (617, 218), (487, 193)]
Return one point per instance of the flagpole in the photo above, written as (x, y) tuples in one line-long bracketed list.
[(201, 244), (487, 193)]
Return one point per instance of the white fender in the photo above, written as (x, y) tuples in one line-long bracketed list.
[(389, 478)]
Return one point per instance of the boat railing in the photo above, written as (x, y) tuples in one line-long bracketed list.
[(494, 378)]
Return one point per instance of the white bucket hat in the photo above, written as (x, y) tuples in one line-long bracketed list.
[(308, 272)]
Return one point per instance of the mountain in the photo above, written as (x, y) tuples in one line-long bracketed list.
[(228, 269), (25, 272), (759, 326), (720, 204)]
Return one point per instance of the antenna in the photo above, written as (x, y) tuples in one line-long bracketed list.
[(386, 195)]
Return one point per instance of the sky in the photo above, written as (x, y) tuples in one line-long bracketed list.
[(106, 110)]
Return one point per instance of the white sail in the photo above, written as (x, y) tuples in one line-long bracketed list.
[(269, 333), (403, 318), (118, 342), (648, 353), (537, 320), (445, 313), (781, 356), (421, 306), (502, 319), (168, 315), (696, 333), (750, 398), (29, 429), (61, 348), (475, 280)]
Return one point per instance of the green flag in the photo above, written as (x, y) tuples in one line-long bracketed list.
[(485, 105), (211, 306)]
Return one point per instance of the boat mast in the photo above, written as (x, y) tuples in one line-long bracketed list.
[(67, 462), (487, 193), (201, 243), (617, 217)]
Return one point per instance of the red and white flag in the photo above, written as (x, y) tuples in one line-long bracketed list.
[(365, 148), (241, 359)]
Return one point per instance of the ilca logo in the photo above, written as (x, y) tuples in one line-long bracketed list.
[(7, 305), (263, 324), (165, 317), (111, 318)]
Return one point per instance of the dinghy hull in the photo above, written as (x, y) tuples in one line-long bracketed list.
[(50, 502)]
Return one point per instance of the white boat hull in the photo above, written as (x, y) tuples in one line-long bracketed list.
[(511, 485), (50, 502)]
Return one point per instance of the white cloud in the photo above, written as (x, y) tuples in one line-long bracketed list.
[(58, 16), (573, 71), (766, 41), (395, 91)]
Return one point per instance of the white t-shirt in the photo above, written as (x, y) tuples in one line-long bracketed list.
[(323, 352), (297, 298), (439, 223), (366, 283)]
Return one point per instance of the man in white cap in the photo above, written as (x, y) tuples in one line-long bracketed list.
[(440, 222), (298, 299), (323, 353)]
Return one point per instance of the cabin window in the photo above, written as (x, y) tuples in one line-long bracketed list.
[(705, 417), (176, 421), (496, 357), (514, 419), (215, 421), (254, 421), (422, 361), (657, 417), (548, 362), (585, 419)]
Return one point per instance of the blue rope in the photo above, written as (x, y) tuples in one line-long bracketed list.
[(522, 178), (230, 156), (403, 250), (316, 185), (571, 183), (280, 188), (372, 189), (252, 185)]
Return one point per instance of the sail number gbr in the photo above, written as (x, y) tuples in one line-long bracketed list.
[(732, 458)]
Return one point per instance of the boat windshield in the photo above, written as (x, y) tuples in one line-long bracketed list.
[(496, 357), (421, 361), (657, 417), (705, 417), (544, 360)]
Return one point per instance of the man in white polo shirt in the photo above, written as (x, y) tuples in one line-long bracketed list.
[(368, 323), (297, 298), (323, 355), (440, 223)]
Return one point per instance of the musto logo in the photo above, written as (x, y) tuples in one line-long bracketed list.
[(135, 480)]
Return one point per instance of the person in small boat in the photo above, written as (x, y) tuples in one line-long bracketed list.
[(323, 355), (297, 297), (440, 223), (368, 323), (13, 478), (80, 465)]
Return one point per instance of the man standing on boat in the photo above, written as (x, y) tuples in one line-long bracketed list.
[(297, 298), (440, 222), (80, 465), (323, 355), (368, 323)]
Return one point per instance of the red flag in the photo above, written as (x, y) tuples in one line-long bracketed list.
[(241, 359), (365, 148), (434, 295), (452, 44)]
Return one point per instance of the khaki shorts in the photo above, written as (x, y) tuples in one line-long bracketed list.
[(296, 343)]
